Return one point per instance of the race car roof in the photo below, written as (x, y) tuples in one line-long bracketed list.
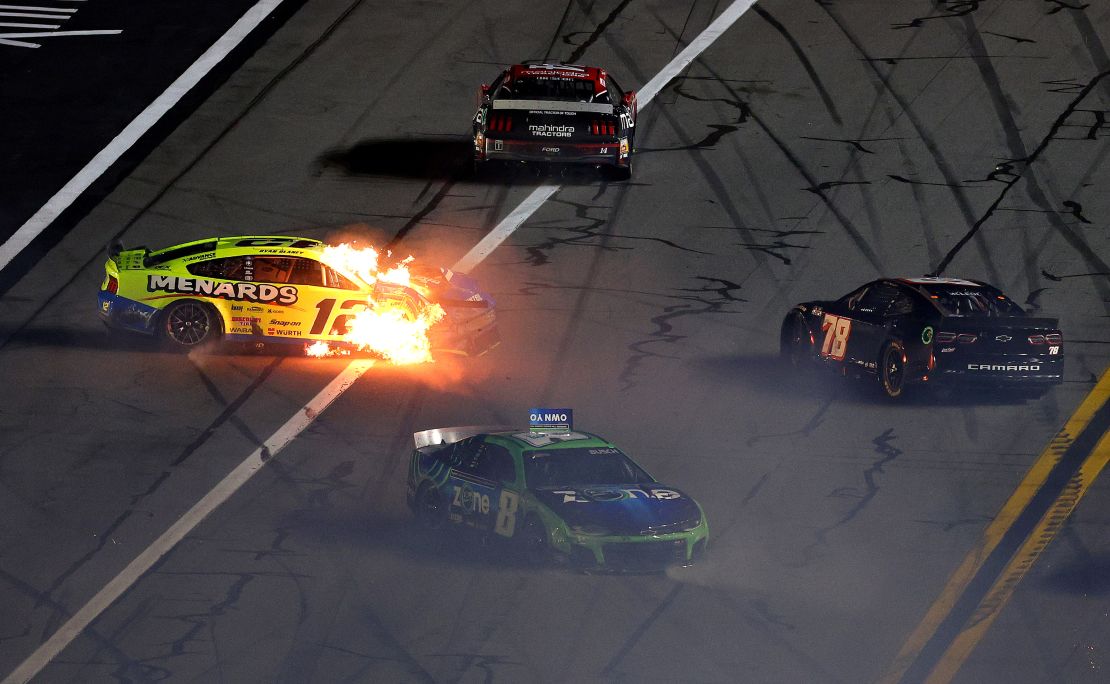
[(273, 244), (931, 280), (564, 71)]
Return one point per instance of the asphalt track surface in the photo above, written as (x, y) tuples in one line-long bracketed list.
[(813, 147)]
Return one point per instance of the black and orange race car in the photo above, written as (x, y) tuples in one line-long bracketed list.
[(560, 113), (927, 330)]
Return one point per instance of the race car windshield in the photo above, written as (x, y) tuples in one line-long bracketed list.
[(560, 89), (965, 301), (594, 465)]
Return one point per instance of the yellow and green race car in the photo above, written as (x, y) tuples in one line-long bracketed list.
[(284, 289)]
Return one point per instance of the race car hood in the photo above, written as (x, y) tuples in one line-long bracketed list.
[(622, 509)]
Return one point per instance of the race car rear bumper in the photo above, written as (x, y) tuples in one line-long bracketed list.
[(1003, 372), (607, 153), (120, 313)]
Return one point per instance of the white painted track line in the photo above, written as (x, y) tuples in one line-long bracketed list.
[(303, 418), (184, 525), (134, 130)]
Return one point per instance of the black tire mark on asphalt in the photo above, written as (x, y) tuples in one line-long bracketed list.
[(887, 453), (953, 8), (882, 84), (1016, 39), (1017, 147), (164, 190), (830, 106), (105, 536), (598, 30), (857, 143), (1058, 5), (634, 638), (558, 31), (145, 670)]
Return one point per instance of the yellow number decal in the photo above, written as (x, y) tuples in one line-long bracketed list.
[(506, 513), (836, 330)]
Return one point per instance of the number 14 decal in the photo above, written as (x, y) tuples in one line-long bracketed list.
[(836, 330)]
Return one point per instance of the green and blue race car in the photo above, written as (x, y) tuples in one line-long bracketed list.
[(575, 497)]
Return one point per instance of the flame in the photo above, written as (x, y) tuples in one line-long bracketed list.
[(387, 327)]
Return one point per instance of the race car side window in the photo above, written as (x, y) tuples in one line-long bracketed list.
[(333, 278), (464, 454), (497, 464), (851, 300), (901, 305), (306, 272), (877, 298), (226, 268), (292, 270)]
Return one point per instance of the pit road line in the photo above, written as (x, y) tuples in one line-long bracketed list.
[(138, 127), (80, 620), (1011, 511)]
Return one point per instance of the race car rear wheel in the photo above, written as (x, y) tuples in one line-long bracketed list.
[(188, 324), (795, 345), (431, 509), (892, 370)]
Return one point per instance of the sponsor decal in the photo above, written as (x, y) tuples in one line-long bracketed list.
[(927, 334), (246, 319), (1054, 350), (236, 307), (200, 257), (105, 306), (1003, 338), (616, 494), (551, 130), (550, 150), (498, 145), (1003, 367), (550, 421), (624, 147), (289, 324), (817, 311), (281, 332), (254, 309), (947, 349), (251, 292)]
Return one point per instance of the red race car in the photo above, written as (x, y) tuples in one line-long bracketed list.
[(560, 113)]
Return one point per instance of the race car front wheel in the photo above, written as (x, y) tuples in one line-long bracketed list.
[(188, 324), (892, 370)]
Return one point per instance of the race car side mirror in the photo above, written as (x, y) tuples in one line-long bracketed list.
[(114, 248), (483, 94), (629, 98)]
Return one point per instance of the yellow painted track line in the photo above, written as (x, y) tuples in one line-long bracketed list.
[(992, 604), (1002, 523)]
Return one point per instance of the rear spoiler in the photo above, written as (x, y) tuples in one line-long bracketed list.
[(961, 323), (450, 435), (554, 106)]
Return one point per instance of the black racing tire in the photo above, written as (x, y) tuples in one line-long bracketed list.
[(431, 508), (892, 369), (795, 345), (189, 324), (531, 541)]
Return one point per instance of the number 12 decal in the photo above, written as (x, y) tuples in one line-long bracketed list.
[(836, 330)]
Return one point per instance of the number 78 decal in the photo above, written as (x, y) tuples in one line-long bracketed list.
[(836, 330)]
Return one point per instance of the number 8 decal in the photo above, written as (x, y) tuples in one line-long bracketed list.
[(836, 330), (506, 513)]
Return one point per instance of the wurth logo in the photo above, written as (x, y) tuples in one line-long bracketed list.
[(47, 22)]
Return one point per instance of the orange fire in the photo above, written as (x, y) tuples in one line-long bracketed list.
[(389, 326)]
